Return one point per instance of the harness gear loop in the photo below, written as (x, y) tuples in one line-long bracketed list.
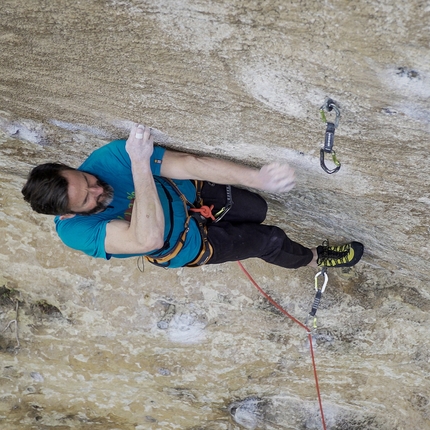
[(229, 203), (328, 106)]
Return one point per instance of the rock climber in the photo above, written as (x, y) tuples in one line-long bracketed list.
[(133, 198)]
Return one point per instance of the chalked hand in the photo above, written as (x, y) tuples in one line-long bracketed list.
[(277, 178), (140, 143)]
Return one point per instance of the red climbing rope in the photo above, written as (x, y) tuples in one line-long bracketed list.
[(301, 325), (206, 211)]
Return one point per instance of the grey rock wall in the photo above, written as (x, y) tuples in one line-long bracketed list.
[(102, 345)]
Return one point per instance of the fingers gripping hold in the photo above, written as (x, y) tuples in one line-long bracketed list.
[(277, 177), (140, 142), (140, 131)]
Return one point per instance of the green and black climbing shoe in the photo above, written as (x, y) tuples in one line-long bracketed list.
[(339, 256)]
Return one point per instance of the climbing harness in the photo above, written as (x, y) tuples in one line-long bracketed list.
[(163, 259), (318, 296), (201, 214), (329, 106), (309, 333)]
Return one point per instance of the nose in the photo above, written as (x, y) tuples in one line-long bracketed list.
[(96, 190)]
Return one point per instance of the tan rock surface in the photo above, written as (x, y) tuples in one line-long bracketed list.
[(242, 80)]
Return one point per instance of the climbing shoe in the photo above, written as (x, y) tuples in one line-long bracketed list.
[(339, 256)]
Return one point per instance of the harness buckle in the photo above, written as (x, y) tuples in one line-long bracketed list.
[(329, 106)]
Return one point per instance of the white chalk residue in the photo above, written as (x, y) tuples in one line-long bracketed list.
[(281, 89), (186, 22), (80, 127), (407, 81), (247, 413), (414, 86), (24, 129), (425, 200), (185, 328)]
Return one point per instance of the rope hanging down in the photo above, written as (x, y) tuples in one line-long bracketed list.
[(280, 308)]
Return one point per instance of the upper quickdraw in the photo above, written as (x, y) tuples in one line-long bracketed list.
[(329, 106)]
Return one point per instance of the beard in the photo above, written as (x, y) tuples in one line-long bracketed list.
[(103, 201)]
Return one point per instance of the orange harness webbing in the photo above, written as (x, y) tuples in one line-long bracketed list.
[(200, 214)]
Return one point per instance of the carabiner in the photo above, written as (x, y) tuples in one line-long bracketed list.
[(322, 273), (318, 294), (223, 211), (329, 105)]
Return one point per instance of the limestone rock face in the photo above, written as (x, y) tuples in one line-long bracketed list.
[(92, 344)]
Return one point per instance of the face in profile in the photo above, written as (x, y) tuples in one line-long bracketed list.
[(87, 194), (104, 199)]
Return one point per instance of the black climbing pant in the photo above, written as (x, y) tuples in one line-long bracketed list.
[(240, 234)]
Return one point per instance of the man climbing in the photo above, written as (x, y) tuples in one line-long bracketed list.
[(131, 198)]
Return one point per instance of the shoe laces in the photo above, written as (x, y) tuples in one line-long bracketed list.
[(338, 253)]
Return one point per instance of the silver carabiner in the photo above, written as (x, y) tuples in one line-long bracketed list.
[(329, 105), (322, 273)]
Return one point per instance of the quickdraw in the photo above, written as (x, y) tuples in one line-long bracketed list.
[(318, 295), (328, 106)]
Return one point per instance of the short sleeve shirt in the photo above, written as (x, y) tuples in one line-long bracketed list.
[(112, 164)]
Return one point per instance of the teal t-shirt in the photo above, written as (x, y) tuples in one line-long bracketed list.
[(112, 164)]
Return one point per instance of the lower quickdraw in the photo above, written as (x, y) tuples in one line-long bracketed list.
[(329, 106), (318, 296)]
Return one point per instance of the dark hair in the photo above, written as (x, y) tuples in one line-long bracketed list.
[(46, 189)]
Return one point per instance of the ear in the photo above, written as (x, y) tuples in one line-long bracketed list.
[(67, 216)]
